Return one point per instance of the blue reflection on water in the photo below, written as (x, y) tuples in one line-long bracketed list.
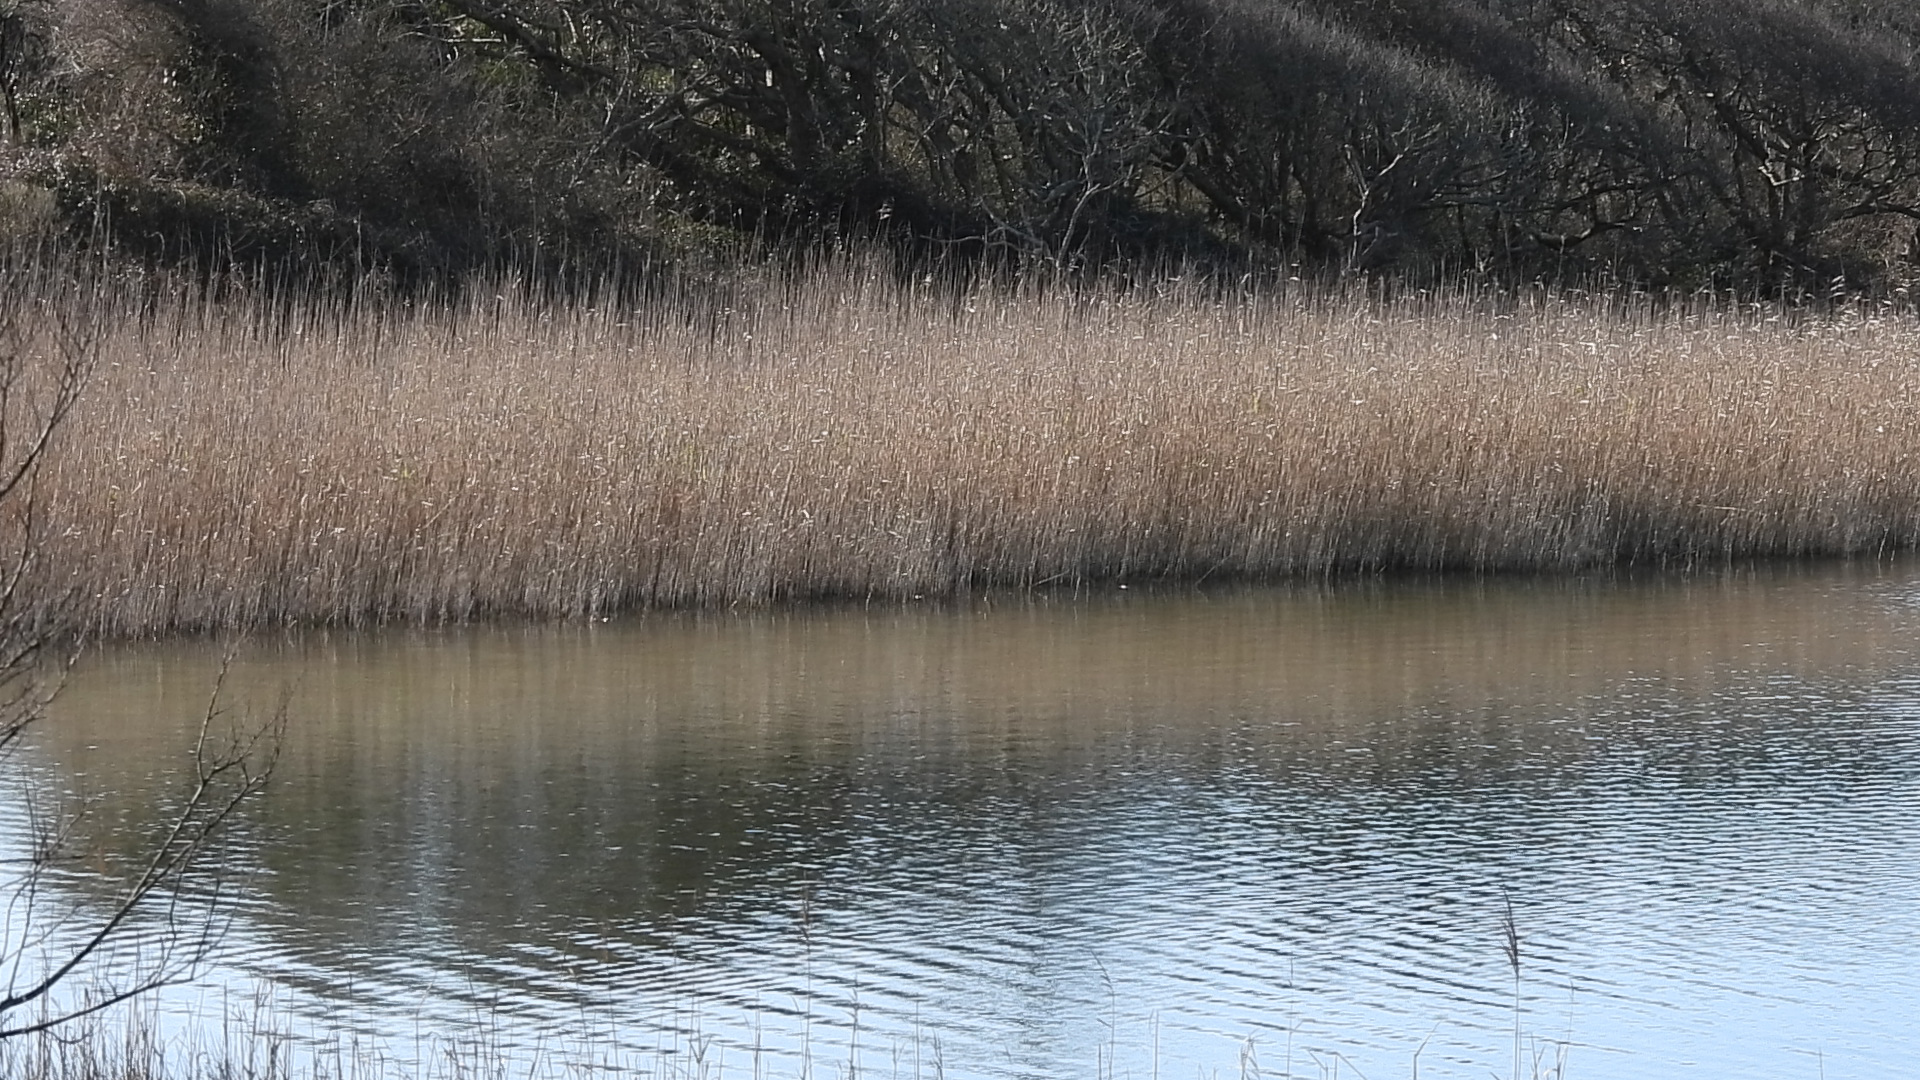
[(1713, 862)]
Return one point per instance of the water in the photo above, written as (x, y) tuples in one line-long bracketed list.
[(1167, 833)]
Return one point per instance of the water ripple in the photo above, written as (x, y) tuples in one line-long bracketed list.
[(1054, 848)]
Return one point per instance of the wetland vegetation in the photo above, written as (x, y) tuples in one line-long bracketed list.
[(429, 311), (405, 313), (242, 461)]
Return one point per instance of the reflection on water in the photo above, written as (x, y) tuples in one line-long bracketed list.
[(1148, 831)]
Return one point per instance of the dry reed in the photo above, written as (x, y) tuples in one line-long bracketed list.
[(243, 463)]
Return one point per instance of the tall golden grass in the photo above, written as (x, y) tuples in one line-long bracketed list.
[(245, 462)]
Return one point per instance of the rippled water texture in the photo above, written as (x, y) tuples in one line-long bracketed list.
[(1145, 833)]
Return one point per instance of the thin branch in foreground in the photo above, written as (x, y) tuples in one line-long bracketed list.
[(227, 772)]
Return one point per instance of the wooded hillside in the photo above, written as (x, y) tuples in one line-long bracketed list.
[(1769, 145)]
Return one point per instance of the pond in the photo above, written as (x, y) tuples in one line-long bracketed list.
[(1143, 832)]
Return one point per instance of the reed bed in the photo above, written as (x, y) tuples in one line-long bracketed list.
[(250, 461)]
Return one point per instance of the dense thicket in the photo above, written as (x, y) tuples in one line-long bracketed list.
[(1771, 144)]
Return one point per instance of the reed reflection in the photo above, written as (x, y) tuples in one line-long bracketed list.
[(991, 796)]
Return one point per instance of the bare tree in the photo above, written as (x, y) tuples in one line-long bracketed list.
[(63, 957)]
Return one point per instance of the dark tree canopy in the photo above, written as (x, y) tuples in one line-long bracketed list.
[(1768, 144)]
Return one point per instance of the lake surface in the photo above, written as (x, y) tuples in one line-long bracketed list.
[(1142, 833)]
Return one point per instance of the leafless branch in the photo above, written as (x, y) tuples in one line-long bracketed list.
[(61, 956)]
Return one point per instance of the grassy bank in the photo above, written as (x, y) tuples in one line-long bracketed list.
[(249, 462)]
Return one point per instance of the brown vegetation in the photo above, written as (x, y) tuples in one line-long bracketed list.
[(158, 916), (246, 462)]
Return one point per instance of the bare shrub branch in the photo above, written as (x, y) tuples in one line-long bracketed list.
[(64, 959)]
